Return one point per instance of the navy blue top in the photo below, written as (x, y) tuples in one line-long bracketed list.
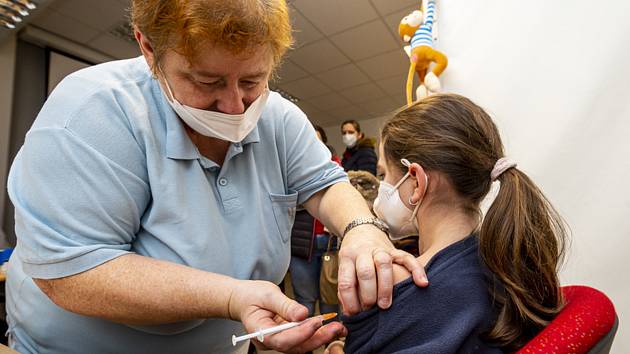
[(362, 157), (448, 316)]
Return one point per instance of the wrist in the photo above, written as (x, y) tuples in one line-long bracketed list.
[(360, 233), (234, 303), (362, 222)]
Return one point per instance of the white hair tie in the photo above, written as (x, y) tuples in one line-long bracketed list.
[(503, 164)]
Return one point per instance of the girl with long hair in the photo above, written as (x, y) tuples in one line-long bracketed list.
[(493, 283)]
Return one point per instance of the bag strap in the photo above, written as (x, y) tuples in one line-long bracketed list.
[(330, 239)]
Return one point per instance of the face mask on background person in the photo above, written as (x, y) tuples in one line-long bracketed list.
[(230, 127), (349, 140), (389, 207)]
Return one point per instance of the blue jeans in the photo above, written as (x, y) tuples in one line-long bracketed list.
[(305, 278)]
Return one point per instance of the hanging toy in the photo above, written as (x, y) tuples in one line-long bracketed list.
[(419, 30)]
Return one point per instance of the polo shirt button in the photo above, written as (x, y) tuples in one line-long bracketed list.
[(223, 182)]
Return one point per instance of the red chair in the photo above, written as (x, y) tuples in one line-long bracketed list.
[(587, 324)]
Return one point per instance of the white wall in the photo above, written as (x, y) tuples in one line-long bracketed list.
[(7, 68), (555, 75), (61, 66)]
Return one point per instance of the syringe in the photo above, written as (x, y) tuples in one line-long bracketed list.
[(260, 334)]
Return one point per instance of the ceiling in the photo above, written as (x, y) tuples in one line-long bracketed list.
[(347, 62)]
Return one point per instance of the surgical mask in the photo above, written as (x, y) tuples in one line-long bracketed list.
[(389, 207), (349, 140), (230, 127)]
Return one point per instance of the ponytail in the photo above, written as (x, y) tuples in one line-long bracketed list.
[(522, 242)]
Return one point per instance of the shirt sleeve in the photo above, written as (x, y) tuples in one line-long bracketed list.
[(309, 162), (75, 207)]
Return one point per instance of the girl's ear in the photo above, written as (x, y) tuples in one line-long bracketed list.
[(421, 178)]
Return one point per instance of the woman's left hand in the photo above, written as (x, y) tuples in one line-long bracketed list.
[(366, 272)]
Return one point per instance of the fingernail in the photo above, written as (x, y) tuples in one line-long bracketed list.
[(342, 332), (384, 303)]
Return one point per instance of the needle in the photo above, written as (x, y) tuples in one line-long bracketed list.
[(260, 334)]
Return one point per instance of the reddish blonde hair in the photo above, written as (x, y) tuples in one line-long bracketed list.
[(237, 25)]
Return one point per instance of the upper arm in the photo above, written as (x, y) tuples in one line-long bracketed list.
[(437, 319), (78, 202), (309, 165)]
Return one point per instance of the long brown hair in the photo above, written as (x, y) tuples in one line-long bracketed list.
[(522, 238), (354, 123)]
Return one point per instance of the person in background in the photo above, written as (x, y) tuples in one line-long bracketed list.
[(359, 154), (494, 283), (321, 135), (309, 241)]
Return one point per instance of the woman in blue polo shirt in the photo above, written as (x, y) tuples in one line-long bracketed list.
[(154, 196)]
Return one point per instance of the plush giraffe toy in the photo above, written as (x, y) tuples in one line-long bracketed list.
[(418, 29)]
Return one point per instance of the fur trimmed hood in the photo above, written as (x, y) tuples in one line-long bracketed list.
[(366, 142)]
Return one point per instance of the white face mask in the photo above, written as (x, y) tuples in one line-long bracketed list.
[(230, 127), (349, 140), (389, 207)]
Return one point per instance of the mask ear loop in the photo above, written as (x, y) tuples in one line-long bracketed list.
[(401, 180), (405, 163), (168, 87)]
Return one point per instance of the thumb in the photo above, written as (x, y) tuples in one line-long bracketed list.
[(286, 308)]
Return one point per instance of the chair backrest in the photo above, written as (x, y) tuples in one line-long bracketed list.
[(587, 324)]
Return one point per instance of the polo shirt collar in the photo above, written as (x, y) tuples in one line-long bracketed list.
[(178, 143), (252, 137)]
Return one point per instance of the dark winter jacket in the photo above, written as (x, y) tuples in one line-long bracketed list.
[(303, 235), (361, 157)]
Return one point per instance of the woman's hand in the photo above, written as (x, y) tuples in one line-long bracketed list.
[(261, 304), (366, 271)]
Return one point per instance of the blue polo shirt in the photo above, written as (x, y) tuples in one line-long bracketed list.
[(107, 169)]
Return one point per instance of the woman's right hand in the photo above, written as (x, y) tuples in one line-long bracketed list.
[(261, 304)]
